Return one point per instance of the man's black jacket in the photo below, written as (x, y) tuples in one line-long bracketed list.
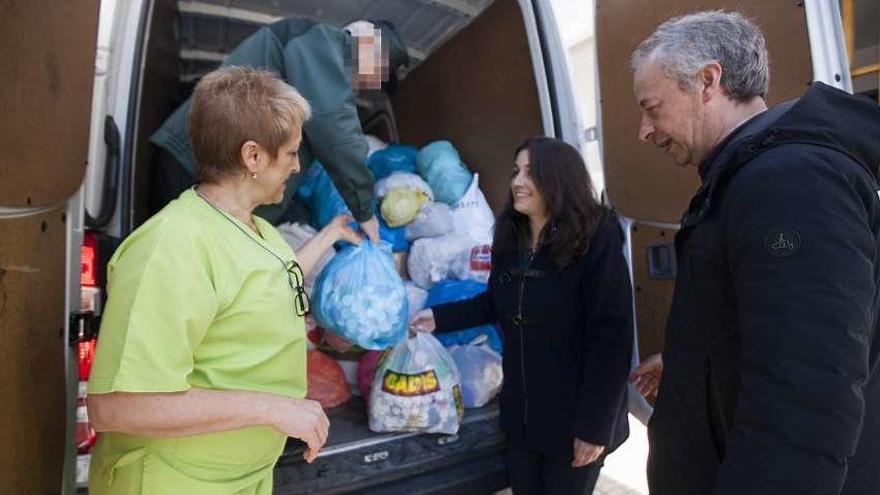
[(566, 360), (771, 383)]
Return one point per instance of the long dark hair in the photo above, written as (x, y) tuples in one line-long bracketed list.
[(560, 174)]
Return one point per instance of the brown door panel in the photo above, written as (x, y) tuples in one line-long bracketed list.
[(32, 383), (641, 180), (47, 58), (653, 297), (480, 96)]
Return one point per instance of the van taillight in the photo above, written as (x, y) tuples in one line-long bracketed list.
[(89, 305), (85, 436), (85, 350), (89, 260)]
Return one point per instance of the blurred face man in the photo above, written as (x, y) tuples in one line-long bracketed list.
[(371, 56)]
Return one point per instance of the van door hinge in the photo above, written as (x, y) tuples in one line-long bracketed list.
[(82, 327)]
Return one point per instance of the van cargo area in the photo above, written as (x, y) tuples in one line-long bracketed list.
[(460, 87), (87, 83)]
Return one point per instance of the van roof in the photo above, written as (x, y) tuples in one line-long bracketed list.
[(210, 29)]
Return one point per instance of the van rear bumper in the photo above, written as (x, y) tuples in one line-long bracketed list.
[(469, 462)]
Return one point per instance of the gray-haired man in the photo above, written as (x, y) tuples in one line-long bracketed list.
[(771, 381)]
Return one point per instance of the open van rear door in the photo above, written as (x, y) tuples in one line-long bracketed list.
[(47, 56), (641, 181)]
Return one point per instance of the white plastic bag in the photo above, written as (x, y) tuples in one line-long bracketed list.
[(374, 144), (480, 370), (296, 235), (432, 259), (473, 264), (399, 180), (471, 215), (416, 388), (433, 220)]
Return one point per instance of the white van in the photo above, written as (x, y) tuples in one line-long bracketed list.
[(84, 87)]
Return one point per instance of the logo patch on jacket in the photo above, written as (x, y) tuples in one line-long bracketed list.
[(782, 242)]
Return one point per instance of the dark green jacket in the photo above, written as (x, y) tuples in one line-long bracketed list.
[(315, 59)]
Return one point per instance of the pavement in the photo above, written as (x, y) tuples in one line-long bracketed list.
[(624, 470)]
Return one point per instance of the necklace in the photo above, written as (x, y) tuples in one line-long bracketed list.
[(237, 226), (295, 275), (249, 223)]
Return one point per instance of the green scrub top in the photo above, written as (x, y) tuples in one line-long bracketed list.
[(195, 299)]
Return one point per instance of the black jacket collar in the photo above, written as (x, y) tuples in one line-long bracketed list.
[(823, 116)]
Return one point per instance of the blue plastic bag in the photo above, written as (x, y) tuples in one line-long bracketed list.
[(321, 196), (394, 236), (360, 297), (394, 158), (458, 290), (440, 165)]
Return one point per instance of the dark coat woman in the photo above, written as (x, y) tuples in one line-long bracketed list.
[(560, 289)]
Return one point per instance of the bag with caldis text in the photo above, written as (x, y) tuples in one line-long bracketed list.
[(417, 389)]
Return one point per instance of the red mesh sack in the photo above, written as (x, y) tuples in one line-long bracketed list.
[(326, 381), (339, 344)]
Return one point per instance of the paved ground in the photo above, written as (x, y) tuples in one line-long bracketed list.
[(607, 486), (624, 471)]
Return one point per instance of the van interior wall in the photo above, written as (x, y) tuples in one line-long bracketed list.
[(477, 91), (642, 183), (161, 94), (472, 92)]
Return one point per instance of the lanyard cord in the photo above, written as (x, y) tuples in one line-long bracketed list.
[(236, 225)]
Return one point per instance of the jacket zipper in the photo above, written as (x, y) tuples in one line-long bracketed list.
[(520, 323)]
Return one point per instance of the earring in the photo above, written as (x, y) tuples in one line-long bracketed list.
[(254, 176)]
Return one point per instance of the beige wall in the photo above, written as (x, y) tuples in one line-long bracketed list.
[(582, 59)]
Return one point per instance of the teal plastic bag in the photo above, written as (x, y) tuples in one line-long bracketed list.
[(441, 166)]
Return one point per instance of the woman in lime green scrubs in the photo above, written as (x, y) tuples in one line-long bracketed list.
[(200, 371)]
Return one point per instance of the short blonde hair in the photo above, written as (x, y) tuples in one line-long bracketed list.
[(234, 104)]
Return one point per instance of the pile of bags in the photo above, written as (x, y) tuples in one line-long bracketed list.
[(437, 231)]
